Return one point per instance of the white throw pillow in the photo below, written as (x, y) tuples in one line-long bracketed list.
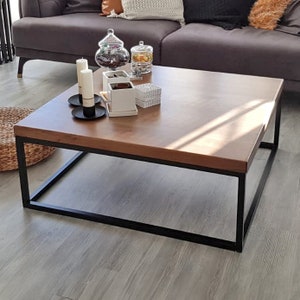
[(153, 9)]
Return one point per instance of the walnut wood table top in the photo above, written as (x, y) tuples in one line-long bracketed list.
[(205, 119)]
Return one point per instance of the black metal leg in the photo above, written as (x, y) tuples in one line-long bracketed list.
[(273, 146), (240, 213), (275, 143), (23, 171), (277, 124)]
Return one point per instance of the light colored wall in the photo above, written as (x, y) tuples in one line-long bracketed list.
[(14, 8)]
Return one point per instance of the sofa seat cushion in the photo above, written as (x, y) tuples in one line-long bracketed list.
[(79, 34), (245, 51)]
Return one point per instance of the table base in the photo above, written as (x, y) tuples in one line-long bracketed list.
[(242, 222)]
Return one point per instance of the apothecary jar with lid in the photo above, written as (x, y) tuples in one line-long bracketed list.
[(111, 53), (141, 58)]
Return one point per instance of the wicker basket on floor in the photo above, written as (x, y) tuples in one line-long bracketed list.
[(9, 116)]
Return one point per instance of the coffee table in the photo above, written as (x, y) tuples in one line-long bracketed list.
[(207, 121)]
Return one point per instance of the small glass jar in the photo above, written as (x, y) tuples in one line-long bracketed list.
[(141, 59), (111, 53)]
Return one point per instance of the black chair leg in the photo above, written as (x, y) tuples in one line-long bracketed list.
[(22, 61)]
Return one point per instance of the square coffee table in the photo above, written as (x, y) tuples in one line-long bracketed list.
[(207, 121)]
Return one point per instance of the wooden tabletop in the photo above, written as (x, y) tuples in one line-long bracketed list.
[(206, 119)]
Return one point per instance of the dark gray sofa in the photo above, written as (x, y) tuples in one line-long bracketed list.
[(47, 31)]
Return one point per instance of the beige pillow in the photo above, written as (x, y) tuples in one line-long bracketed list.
[(265, 14), (109, 6), (153, 9)]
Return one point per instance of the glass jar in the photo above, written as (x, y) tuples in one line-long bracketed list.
[(141, 58), (111, 53)]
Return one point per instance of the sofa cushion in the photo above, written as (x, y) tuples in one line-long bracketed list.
[(109, 6), (81, 6), (155, 9), (265, 14), (245, 51), (225, 13), (79, 34), (290, 22)]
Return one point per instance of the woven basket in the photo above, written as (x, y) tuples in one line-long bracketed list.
[(9, 116)]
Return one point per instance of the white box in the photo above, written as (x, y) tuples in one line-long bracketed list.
[(147, 95), (114, 77), (121, 99)]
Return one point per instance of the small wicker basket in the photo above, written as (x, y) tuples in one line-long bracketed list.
[(9, 116), (147, 95)]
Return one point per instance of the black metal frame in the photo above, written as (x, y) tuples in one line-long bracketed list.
[(6, 45), (242, 223)]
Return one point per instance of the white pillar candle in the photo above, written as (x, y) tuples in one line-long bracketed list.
[(81, 64), (87, 88)]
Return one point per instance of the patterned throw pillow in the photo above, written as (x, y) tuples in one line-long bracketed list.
[(228, 14), (153, 9), (265, 14), (111, 6), (82, 6)]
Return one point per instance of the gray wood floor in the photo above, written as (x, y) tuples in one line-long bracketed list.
[(44, 256)]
